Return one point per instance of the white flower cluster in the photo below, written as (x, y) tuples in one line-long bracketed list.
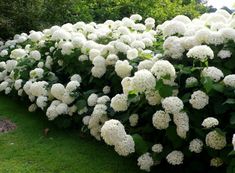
[(183, 34), (215, 140), (181, 121), (157, 148), (213, 73), (199, 99), (216, 162), (145, 162), (196, 146), (113, 133), (229, 80), (161, 120), (119, 102), (210, 122), (233, 141), (175, 158), (133, 119), (201, 53), (172, 104)]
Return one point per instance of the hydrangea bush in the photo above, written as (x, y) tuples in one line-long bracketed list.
[(164, 94)]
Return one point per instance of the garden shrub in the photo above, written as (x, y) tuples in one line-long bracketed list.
[(164, 94)]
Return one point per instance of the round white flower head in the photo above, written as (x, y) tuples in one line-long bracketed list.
[(72, 86), (36, 73), (136, 17), (39, 88), (41, 102), (58, 90), (215, 140), (133, 119), (98, 72), (213, 73), (161, 120), (172, 104), (106, 89), (98, 61), (123, 69), (35, 54), (103, 100), (233, 141), (163, 69), (229, 80), (157, 148), (119, 102), (181, 120), (145, 162), (32, 108), (76, 77), (111, 59), (86, 120), (83, 58), (173, 47), (18, 53), (223, 54), (35, 36), (143, 80), (93, 53), (18, 84), (92, 99), (126, 146), (216, 162), (174, 27), (113, 132), (3, 53), (210, 122), (127, 85), (146, 64), (196, 146), (201, 53), (199, 99), (175, 158), (153, 97), (62, 108), (191, 82), (10, 65), (132, 54)]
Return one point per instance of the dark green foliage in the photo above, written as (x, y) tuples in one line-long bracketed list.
[(24, 15)]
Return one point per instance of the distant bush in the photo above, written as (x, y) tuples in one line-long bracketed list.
[(22, 16)]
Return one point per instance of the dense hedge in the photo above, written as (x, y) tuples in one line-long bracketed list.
[(165, 95), (24, 15)]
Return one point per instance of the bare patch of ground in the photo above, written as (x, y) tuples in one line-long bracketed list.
[(6, 125)]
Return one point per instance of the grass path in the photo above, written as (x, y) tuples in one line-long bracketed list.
[(26, 150)]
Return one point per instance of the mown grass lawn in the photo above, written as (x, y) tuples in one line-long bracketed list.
[(27, 150)]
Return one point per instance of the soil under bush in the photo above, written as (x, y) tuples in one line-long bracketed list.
[(6, 125)]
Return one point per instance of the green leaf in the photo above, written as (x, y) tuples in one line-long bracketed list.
[(133, 97), (159, 84), (80, 104), (218, 87), (207, 83), (232, 153), (141, 146), (220, 131), (185, 98), (229, 101), (166, 91), (232, 118), (173, 137)]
